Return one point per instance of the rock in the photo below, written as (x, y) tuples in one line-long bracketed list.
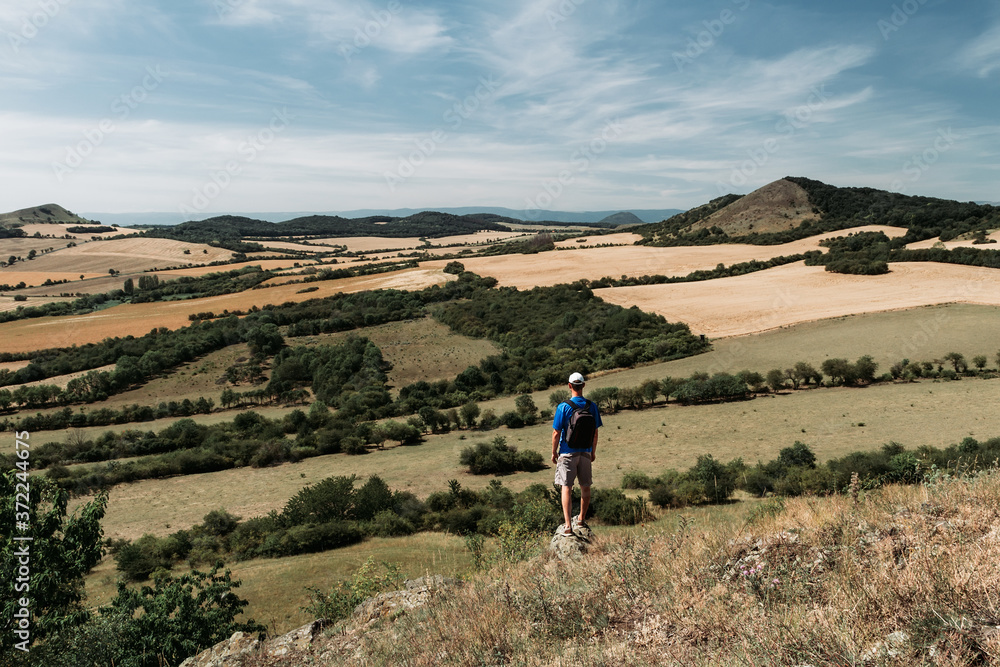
[(573, 547), (237, 649), (415, 593)]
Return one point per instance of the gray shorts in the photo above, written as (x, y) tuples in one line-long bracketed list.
[(571, 466)]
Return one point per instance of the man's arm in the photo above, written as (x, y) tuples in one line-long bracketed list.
[(555, 445), (593, 447)]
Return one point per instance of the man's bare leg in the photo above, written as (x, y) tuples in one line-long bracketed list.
[(584, 503), (567, 503)]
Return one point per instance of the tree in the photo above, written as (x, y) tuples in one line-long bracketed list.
[(865, 369), (63, 549), (558, 396), (128, 287), (11, 260), (668, 386), (525, 406), (32, 253), (650, 390), (264, 340), (469, 413), (775, 379), (179, 618), (979, 361), (957, 360)]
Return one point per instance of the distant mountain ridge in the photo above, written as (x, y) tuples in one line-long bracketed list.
[(176, 218)]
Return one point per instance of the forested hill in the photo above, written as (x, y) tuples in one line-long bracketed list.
[(229, 229), (837, 208)]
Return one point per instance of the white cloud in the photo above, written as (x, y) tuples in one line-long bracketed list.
[(393, 26), (983, 54)]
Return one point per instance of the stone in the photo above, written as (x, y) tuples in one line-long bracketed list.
[(568, 548), (416, 593)]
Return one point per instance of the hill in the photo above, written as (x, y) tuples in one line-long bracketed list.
[(227, 230), (47, 214), (622, 218), (776, 207), (795, 207)]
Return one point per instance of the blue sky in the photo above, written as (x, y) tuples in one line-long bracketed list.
[(202, 106)]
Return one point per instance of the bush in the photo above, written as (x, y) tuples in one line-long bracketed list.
[(499, 458), (389, 524), (367, 582), (636, 480), (613, 507)]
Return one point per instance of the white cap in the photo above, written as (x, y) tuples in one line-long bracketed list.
[(576, 378)]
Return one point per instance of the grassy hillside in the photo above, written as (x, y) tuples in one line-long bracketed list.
[(46, 214)]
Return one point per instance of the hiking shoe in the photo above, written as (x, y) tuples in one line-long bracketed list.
[(568, 532), (582, 524)]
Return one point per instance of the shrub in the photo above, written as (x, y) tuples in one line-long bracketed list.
[(499, 458), (636, 480), (389, 524), (367, 582), (613, 507)]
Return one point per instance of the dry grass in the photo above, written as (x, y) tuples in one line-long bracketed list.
[(8, 302), (264, 264), (13, 276), (590, 242), (776, 207), (417, 349), (125, 255), (370, 243), (138, 319), (951, 245), (550, 268), (796, 293), (825, 582)]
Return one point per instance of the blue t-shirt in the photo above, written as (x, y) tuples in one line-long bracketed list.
[(561, 420)]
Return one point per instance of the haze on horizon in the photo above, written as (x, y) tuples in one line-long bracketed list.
[(202, 106)]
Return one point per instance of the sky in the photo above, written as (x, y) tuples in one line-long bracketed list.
[(207, 106)]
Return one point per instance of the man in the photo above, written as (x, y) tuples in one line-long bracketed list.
[(572, 424)]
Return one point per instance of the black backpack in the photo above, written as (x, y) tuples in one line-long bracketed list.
[(581, 427)]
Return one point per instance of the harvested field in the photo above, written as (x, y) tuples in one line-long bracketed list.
[(369, 243), (563, 266), (300, 247), (12, 276), (264, 264), (138, 319), (918, 334), (591, 241), (951, 245), (797, 293), (8, 303), (124, 255), (13, 365), (21, 247), (62, 380)]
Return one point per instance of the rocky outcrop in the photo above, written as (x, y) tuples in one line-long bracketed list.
[(309, 644), (570, 548)]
